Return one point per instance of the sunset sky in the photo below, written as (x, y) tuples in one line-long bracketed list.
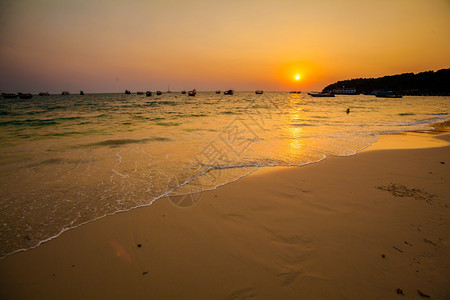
[(110, 46)]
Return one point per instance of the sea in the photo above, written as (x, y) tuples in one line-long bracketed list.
[(66, 160)]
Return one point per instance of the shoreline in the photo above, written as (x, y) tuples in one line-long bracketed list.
[(112, 242), (410, 140)]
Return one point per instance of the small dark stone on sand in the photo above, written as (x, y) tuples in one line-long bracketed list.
[(400, 291), (143, 273), (215, 196), (164, 216), (383, 256), (422, 294), (442, 162), (139, 245), (73, 266)]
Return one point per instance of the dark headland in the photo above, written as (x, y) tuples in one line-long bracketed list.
[(429, 83)]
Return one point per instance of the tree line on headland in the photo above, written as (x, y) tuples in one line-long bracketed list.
[(428, 83)]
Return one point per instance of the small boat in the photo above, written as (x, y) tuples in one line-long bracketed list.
[(65, 93), (322, 94), (81, 93), (127, 92), (25, 96), (139, 93), (295, 92), (217, 92), (229, 92), (159, 93), (389, 94), (183, 92), (148, 93), (192, 93), (9, 95), (44, 94), (259, 92)]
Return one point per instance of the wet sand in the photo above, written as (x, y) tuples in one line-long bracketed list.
[(371, 226)]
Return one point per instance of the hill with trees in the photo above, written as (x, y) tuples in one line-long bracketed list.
[(428, 83)]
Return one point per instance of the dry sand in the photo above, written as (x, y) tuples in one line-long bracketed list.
[(371, 226)]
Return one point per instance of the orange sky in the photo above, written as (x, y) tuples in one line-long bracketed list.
[(110, 46)]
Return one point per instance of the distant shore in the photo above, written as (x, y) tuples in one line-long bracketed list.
[(427, 83), (371, 226)]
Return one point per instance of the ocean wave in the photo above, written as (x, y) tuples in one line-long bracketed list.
[(60, 134), (55, 107), (301, 125), (30, 123), (229, 113), (120, 142), (168, 124), (160, 103)]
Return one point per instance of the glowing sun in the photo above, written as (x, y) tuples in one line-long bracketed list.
[(297, 77)]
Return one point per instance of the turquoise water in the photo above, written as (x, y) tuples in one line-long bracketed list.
[(68, 160)]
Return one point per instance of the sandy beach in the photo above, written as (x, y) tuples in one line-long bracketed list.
[(370, 226)]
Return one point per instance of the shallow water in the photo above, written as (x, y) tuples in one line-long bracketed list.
[(67, 160)]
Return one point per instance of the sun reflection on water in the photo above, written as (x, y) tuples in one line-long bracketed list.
[(294, 133)]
